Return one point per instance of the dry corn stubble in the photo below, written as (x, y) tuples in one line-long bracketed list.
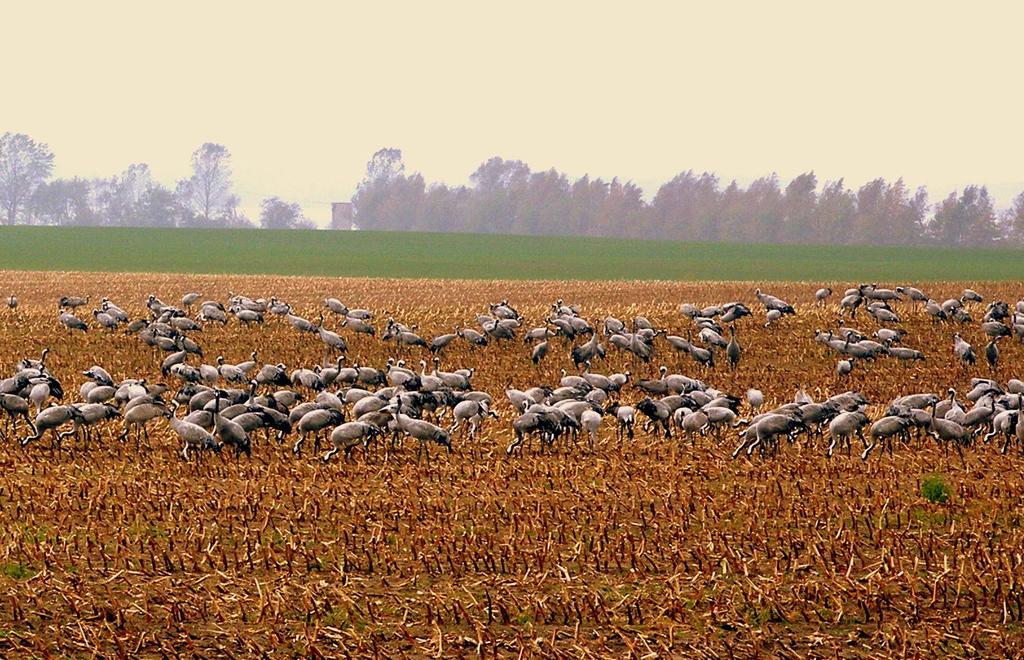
[(664, 547)]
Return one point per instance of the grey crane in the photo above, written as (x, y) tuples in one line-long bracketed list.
[(872, 292), (970, 295), (996, 329), (154, 304), (539, 352), (503, 310), (51, 419), (935, 310), (903, 353), (755, 398), (964, 351), (473, 337), (349, 435), (314, 422), (301, 324), (138, 417), (105, 320), (992, 352), (308, 378), (91, 414), (72, 322), (361, 314), (440, 342), (358, 325), (883, 314), (397, 374), (42, 388), (527, 425), (764, 432), (279, 307), (640, 346), (113, 310), (850, 302), (190, 299), (99, 375), (331, 340), (658, 413), (884, 430), (213, 312), (711, 337), (471, 412), (229, 372), (538, 334), (193, 436), (71, 302), (655, 386), (172, 360), (423, 431), (691, 422), (185, 324), (404, 338), (336, 306), (702, 356), (772, 303), (15, 407), (733, 350), (951, 306), (843, 426), (625, 420), (889, 335), (946, 431), (587, 351), (273, 374), (246, 316), (913, 293), (456, 380), (1006, 423)]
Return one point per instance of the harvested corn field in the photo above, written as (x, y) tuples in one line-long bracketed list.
[(644, 545)]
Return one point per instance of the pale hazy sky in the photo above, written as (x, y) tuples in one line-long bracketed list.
[(303, 93)]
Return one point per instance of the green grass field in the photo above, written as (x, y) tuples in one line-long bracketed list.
[(378, 254)]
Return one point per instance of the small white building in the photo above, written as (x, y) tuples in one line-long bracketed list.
[(343, 216)]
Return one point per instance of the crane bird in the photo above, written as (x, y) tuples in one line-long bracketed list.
[(50, 419), (964, 351), (193, 436), (350, 435), (72, 322), (992, 352), (733, 351), (190, 299)]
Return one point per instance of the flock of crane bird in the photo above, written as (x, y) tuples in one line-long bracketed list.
[(216, 405)]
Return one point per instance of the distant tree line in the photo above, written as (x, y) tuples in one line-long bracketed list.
[(132, 198), (506, 197)]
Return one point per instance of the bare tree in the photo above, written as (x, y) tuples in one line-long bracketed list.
[(208, 190), (24, 165)]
